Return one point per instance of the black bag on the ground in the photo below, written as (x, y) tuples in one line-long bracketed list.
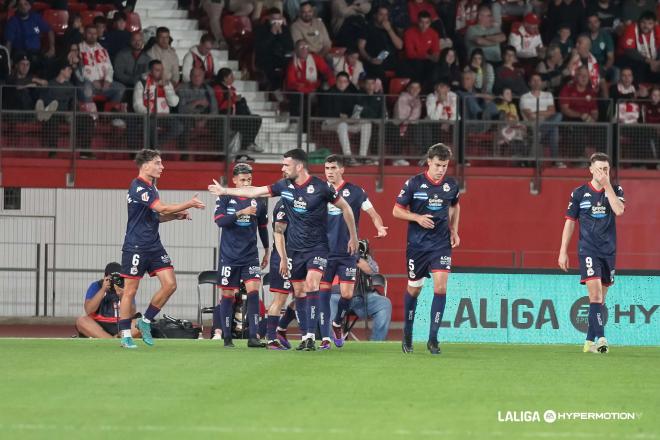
[(172, 328)]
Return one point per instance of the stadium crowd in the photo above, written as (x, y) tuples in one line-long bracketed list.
[(498, 60)]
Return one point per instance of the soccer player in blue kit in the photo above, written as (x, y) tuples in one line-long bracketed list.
[(142, 250), (340, 262), (240, 218), (596, 206), (305, 199), (429, 203)]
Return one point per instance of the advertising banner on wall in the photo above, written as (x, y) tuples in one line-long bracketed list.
[(526, 308)]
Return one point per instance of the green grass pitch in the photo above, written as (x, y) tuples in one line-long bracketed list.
[(93, 389)]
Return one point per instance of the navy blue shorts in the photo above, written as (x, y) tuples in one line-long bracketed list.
[(230, 277), (277, 283), (343, 267), (597, 268), (420, 264), (134, 264), (306, 261)]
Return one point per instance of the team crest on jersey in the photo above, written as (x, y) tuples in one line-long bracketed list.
[(134, 270), (145, 197), (287, 284), (345, 193), (411, 275), (165, 259), (446, 187), (310, 189), (224, 281)]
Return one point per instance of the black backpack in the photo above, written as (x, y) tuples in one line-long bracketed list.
[(172, 328)]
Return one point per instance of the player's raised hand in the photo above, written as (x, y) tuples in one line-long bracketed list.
[(183, 215), (217, 189), (382, 231), (563, 261), (196, 203), (455, 239), (352, 246), (425, 221), (601, 176)]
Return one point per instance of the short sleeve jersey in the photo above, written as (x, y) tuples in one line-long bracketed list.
[(592, 210), (338, 234), (238, 243), (422, 195), (307, 212), (143, 222)]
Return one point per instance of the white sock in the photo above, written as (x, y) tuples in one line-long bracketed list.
[(125, 333), (310, 335)]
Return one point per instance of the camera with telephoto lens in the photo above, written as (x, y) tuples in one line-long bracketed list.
[(116, 280), (363, 248)]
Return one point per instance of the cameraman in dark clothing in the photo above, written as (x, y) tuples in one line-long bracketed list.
[(102, 306)]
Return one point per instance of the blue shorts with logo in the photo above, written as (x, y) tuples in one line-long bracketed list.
[(230, 276), (593, 267), (343, 267), (277, 282), (134, 264), (306, 261), (421, 263)]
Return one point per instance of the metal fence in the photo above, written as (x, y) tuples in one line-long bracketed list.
[(371, 130)]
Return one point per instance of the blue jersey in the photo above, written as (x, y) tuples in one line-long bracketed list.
[(422, 195), (338, 234), (143, 221), (307, 212), (238, 244), (591, 208), (279, 216)]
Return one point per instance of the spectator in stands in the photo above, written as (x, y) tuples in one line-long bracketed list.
[(623, 93), (22, 93), (5, 64), (274, 50), (466, 15), (607, 11), (153, 95), (165, 53), (350, 63), (367, 301), (213, 9), (97, 70), (201, 56), (485, 35), (372, 103), (564, 40), (303, 75), (640, 45), (312, 30), (651, 118), (526, 40), (448, 71), (632, 10), (564, 13), (342, 108), (476, 105), (132, 62), (511, 135), (441, 105), (539, 106), (24, 31), (245, 128), (551, 69), (508, 76), (246, 8), (417, 6), (74, 31), (118, 37), (101, 302), (101, 28), (349, 21), (422, 45), (379, 45), (407, 113), (484, 74), (509, 8), (73, 59), (398, 13), (577, 99), (198, 98), (602, 48), (581, 56)]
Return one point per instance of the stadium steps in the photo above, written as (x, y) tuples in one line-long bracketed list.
[(277, 135)]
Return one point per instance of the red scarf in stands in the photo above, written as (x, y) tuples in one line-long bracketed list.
[(148, 97), (208, 67)]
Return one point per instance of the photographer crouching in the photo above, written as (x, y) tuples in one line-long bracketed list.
[(367, 301), (102, 306)]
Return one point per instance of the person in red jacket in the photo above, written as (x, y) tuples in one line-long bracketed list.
[(422, 45), (639, 48), (303, 75)]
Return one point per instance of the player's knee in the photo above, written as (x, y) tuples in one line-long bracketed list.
[(170, 286), (80, 323)]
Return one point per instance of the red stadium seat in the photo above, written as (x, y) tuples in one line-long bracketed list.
[(77, 8), (397, 85), (236, 28), (58, 20), (89, 16), (133, 23)]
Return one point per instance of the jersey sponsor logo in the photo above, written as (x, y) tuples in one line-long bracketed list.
[(435, 203), (598, 211), (345, 193), (310, 189), (300, 205), (446, 187), (445, 261), (320, 262), (351, 272), (420, 195), (287, 195), (333, 210), (254, 270), (145, 197)]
